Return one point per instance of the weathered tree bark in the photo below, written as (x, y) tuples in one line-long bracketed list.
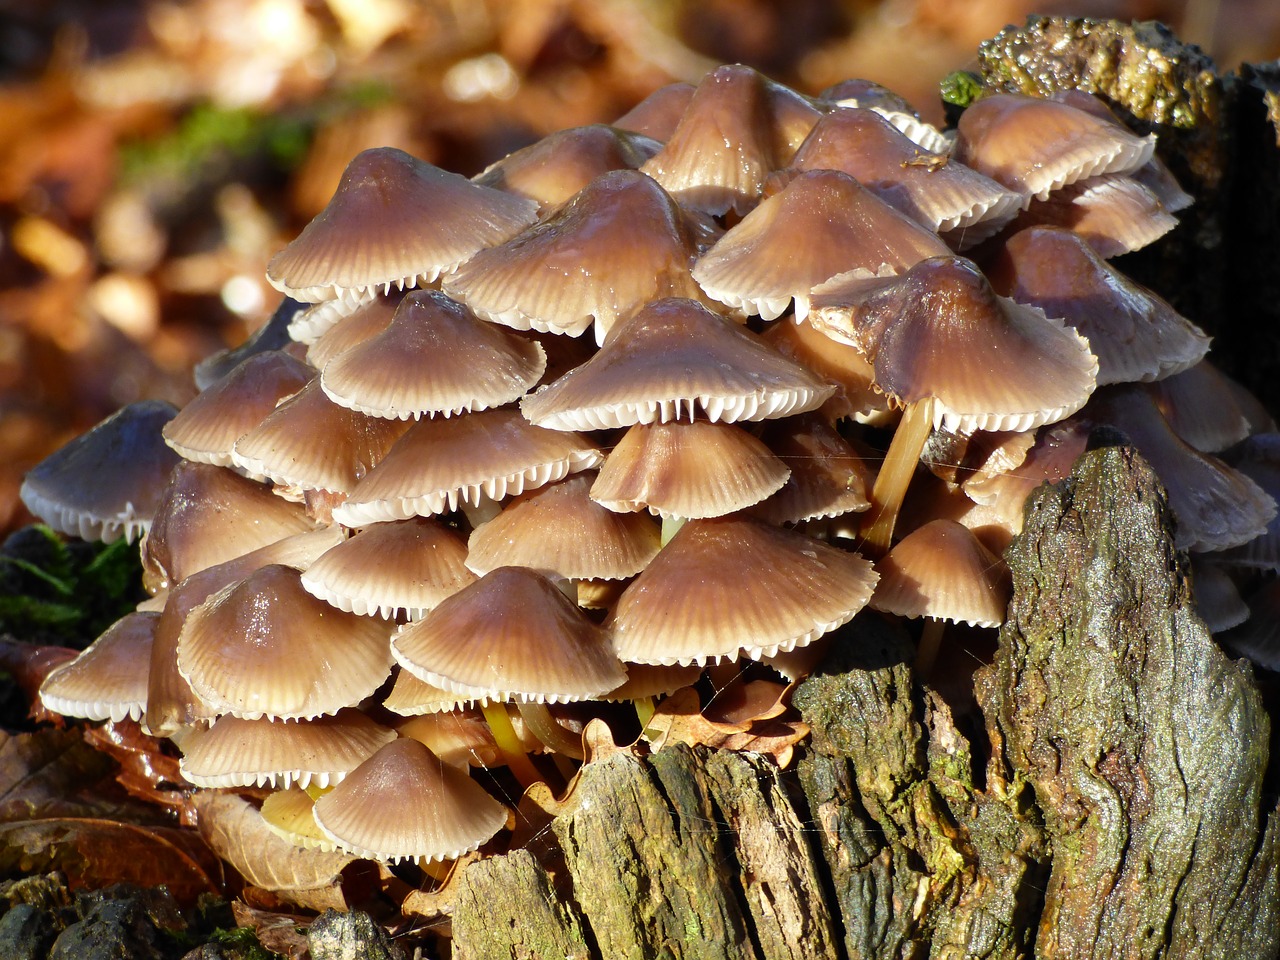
[(1121, 813), (1105, 799)]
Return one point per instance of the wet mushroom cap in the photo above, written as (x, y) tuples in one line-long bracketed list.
[(673, 358), (266, 647), (370, 236), (366, 813), (105, 483), (692, 604), (524, 641)]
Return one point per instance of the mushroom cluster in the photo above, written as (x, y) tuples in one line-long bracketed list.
[(687, 390)]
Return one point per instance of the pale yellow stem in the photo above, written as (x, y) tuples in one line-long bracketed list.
[(895, 476), (930, 643), (509, 745)]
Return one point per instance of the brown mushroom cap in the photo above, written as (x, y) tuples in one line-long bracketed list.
[(1113, 214), (672, 358), (1134, 333), (618, 244), (439, 464), (658, 114), (841, 363), (989, 363), (434, 357), (559, 529), (281, 446), (108, 680), (266, 647), (941, 570), (105, 483), (389, 569), (371, 236), (828, 477), (353, 328), (241, 753), (688, 469), (207, 428), (822, 223), (692, 604), (562, 163), (366, 813), (524, 640), (1035, 146)]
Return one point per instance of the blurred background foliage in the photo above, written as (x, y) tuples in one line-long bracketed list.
[(153, 155)]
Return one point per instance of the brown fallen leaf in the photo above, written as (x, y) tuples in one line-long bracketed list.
[(235, 831), (679, 719), (94, 853), (282, 933), (146, 770)]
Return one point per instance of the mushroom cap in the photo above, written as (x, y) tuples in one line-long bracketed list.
[(989, 363), (841, 363), (822, 223), (171, 703), (562, 163), (658, 114), (439, 464), (692, 604), (1258, 458), (266, 647), (351, 328), (461, 738), (1206, 408), (654, 680), (559, 529), (281, 447), (371, 233), (287, 814), (108, 680), (1134, 333), (828, 477), (411, 697), (1113, 214), (941, 570), (1034, 146), (210, 515), (1216, 596), (434, 357), (926, 186), (391, 569), (689, 469), (207, 428), (320, 318), (241, 753), (524, 640), (107, 482), (674, 356), (366, 813), (620, 243), (727, 141)]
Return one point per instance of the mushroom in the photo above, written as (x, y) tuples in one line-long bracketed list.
[(108, 680)]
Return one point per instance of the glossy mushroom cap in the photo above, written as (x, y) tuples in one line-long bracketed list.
[(371, 234), (108, 680), (106, 483)]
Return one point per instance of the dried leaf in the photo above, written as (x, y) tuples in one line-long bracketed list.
[(146, 770), (55, 774), (679, 720), (281, 933), (236, 832), (95, 853)]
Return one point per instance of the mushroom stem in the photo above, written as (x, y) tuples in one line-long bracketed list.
[(504, 735), (671, 525), (930, 642), (645, 708), (544, 727), (895, 476)]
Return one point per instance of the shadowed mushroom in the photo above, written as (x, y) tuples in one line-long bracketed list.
[(244, 753), (370, 235), (106, 483), (450, 814), (1216, 596), (272, 335), (676, 358), (439, 464), (357, 326), (266, 647), (434, 357), (869, 95), (658, 114), (618, 244), (828, 477), (838, 362), (108, 680), (320, 318), (391, 569), (692, 604), (1208, 409)]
